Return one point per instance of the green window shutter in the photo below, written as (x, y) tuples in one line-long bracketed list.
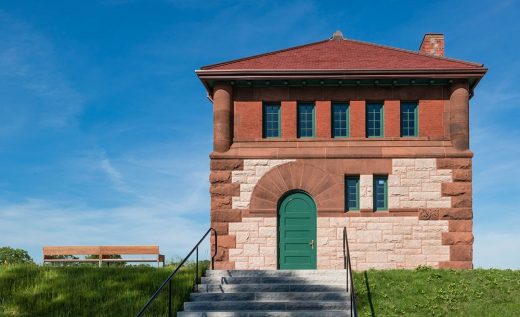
[(306, 120), (409, 119), (351, 193), (340, 120), (271, 121), (374, 120), (380, 193)]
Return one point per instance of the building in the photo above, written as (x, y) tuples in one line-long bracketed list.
[(342, 133)]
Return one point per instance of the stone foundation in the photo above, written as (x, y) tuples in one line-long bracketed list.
[(428, 221)]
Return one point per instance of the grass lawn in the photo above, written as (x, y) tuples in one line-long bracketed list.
[(89, 291), (30, 290), (428, 292)]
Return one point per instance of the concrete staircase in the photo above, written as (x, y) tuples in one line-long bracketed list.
[(304, 293)]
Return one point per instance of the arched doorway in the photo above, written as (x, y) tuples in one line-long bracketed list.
[(297, 223)]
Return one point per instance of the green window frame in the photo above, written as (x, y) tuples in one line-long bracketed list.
[(306, 120), (340, 120), (271, 121), (380, 192), (409, 119), (351, 193), (375, 120)]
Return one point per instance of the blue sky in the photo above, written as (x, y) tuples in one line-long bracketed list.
[(105, 130)]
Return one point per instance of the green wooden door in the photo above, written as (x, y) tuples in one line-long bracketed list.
[(297, 232)]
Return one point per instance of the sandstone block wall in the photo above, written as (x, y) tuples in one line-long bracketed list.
[(428, 221)]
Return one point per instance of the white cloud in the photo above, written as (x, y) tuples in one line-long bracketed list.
[(114, 175), (35, 223)]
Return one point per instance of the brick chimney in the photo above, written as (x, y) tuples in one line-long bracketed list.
[(432, 44)]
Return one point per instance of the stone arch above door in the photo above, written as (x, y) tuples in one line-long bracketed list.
[(324, 187)]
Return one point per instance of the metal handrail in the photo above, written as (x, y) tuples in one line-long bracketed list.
[(169, 278), (348, 267)]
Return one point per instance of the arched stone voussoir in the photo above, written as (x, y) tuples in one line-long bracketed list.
[(291, 176)]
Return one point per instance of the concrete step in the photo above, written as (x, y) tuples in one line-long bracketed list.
[(329, 280), (255, 288), (259, 313), (270, 296), (276, 273), (293, 305)]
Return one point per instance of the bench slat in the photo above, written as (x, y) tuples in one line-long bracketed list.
[(70, 250), (104, 250), (144, 249)]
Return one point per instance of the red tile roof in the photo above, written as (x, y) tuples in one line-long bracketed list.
[(342, 54)]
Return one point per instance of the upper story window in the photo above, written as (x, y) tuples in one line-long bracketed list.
[(374, 120), (409, 120), (352, 193), (271, 121), (380, 193), (340, 120), (306, 120)]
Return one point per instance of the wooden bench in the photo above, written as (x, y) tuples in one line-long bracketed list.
[(103, 253)]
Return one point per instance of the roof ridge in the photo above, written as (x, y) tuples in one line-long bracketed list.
[(262, 54), (416, 52)]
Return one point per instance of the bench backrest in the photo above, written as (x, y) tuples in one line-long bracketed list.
[(104, 250)]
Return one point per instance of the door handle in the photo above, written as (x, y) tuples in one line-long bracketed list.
[(312, 244)]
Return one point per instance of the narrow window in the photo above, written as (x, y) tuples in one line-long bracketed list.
[(340, 120), (306, 120), (374, 120), (352, 193), (409, 119), (271, 121), (380, 193)]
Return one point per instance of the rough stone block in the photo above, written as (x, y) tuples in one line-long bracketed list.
[(267, 232), (431, 187), (403, 163), (394, 180), (425, 164), (226, 164), (454, 163), (369, 236), (444, 203), (457, 238), (456, 189), (426, 196), (461, 201), (456, 213), (462, 175), (220, 177), (251, 249), (414, 260), (461, 252), (376, 257), (225, 189), (413, 204), (440, 179), (468, 265), (460, 225), (221, 202)]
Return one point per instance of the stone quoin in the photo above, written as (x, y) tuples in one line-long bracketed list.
[(342, 133)]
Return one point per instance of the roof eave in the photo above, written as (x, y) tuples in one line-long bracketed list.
[(340, 73), (268, 74)]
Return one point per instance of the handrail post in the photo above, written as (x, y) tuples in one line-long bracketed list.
[(177, 268), (197, 269), (170, 299), (215, 249)]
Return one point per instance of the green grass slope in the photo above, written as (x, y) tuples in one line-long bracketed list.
[(30, 290), (428, 292)]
